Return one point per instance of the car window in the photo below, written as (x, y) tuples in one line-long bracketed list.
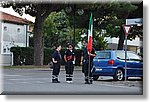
[(120, 55), (103, 55), (130, 56), (133, 56)]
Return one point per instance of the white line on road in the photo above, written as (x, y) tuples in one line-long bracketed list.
[(123, 86), (30, 79), (11, 75)]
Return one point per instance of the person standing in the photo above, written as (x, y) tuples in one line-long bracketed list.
[(87, 64), (56, 59), (69, 58)]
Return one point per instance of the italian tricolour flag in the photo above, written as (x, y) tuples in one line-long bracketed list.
[(90, 31)]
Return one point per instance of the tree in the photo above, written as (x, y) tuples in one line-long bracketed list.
[(103, 14), (112, 17), (99, 41), (40, 11), (56, 29), (109, 16)]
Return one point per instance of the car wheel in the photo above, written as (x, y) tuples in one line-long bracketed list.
[(95, 78), (119, 75)]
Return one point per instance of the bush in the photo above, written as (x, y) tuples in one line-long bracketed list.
[(25, 55)]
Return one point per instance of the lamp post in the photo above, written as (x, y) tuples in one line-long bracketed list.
[(80, 12), (74, 21)]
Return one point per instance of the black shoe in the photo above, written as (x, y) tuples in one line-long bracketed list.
[(58, 81), (90, 82), (86, 82), (55, 81)]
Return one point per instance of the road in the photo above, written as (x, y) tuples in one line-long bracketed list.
[(38, 81)]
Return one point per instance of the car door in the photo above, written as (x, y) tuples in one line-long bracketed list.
[(134, 64)]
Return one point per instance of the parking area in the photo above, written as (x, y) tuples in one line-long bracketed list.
[(38, 81)]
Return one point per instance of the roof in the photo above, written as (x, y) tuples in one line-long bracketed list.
[(10, 18), (113, 51)]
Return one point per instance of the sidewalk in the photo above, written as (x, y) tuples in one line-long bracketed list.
[(77, 68)]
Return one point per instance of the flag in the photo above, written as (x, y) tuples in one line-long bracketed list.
[(90, 31)]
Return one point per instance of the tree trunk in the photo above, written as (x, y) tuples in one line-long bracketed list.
[(38, 42), (122, 34), (121, 39)]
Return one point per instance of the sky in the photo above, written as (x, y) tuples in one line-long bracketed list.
[(12, 12)]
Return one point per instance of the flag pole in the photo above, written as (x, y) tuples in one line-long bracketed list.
[(90, 45), (89, 69)]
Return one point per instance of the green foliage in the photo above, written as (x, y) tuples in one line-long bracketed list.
[(135, 31), (56, 29), (113, 28), (99, 42), (24, 55)]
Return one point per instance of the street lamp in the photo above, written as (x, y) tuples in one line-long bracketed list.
[(80, 12)]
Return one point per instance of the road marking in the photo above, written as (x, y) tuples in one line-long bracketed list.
[(11, 75), (39, 82), (123, 86), (24, 82), (31, 79)]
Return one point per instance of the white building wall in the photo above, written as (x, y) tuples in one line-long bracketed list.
[(0, 33), (11, 35), (113, 43), (1, 60), (135, 42)]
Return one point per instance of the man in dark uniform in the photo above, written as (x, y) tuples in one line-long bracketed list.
[(86, 59), (56, 59), (69, 58)]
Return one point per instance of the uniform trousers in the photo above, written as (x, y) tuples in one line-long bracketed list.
[(69, 67), (56, 70), (87, 71)]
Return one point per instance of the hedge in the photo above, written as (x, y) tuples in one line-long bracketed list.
[(25, 55)]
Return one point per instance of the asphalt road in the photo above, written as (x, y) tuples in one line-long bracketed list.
[(38, 81)]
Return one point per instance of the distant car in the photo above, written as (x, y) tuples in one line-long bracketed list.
[(112, 63)]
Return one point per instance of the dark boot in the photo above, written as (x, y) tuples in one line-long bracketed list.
[(67, 77), (90, 80), (57, 80), (54, 81), (86, 80)]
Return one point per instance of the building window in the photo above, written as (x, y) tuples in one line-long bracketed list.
[(18, 30), (5, 28)]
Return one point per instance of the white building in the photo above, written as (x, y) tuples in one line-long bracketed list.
[(134, 45), (14, 32)]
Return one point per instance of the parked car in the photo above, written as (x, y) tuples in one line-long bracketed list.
[(112, 63)]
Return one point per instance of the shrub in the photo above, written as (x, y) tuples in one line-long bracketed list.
[(25, 55)]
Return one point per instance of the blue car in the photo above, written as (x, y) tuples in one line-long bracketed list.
[(112, 63)]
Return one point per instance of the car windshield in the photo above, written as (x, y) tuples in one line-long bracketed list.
[(103, 55), (130, 56)]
